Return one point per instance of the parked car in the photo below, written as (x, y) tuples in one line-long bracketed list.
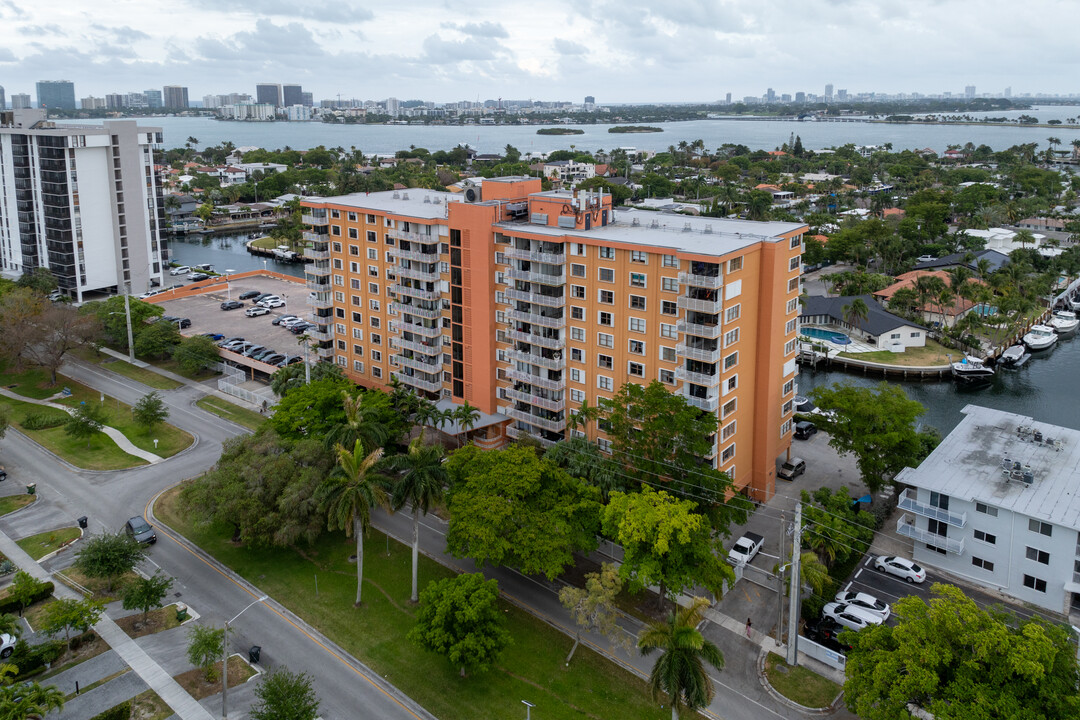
[(249, 294), (184, 323), (265, 352), (7, 645), (826, 631), (293, 359), (226, 341), (198, 276), (139, 530), (214, 336), (745, 548), (866, 602), (282, 319), (792, 469), (262, 296), (300, 327), (231, 305), (272, 358), (256, 311), (804, 429), (235, 345), (249, 352), (180, 270), (271, 303), (850, 616), (900, 567), (3, 474)]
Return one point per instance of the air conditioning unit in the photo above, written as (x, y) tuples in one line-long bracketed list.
[(471, 192)]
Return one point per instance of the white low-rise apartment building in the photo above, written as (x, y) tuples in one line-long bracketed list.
[(997, 504)]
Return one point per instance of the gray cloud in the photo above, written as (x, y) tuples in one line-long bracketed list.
[(481, 29), (568, 47), (331, 11)]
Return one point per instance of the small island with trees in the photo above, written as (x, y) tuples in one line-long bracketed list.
[(634, 129), (560, 131)]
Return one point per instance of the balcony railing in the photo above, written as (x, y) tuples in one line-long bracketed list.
[(552, 425), (421, 330), (427, 257), (531, 379), (536, 318), (908, 501), (537, 359), (317, 270), (412, 236), (418, 311), (315, 220), (321, 336), (418, 383), (416, 274), (711, 307), (552, 343), (514, 432), (416, 364), (536, 298), (712, 282), (320, 302), (415, 292), (688, 351), (547, 404), (317, 286), (421, 348), (705, 331), (314, 237), (536, 277), (549, 258), (325, 352), (316, 254), (906, 526), (697, 378)]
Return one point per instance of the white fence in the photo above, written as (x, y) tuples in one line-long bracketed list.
[(822, 653), (230, 382)]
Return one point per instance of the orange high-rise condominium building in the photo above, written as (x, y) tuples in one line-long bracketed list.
[(526, 303)]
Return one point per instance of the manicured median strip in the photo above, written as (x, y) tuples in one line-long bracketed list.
[(133, 372), (231, 412), (40, 545), (532, 668), (800, 685), (11, 503)]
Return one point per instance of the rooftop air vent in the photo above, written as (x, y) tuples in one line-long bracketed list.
[(437, 200), (654, 224), (686, 227), (404, 196), (427, 199), (635, 222), (708, 229), (397, 195)]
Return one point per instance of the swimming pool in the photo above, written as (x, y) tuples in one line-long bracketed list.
[(984, 310), (822, 334)]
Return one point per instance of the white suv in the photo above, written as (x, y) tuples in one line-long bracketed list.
[(7, 645), (851, 616)]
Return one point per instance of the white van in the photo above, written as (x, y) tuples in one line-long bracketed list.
[(181, 270), (205, 267)]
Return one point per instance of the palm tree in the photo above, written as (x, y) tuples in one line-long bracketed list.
[(27, 700), (349, 496), (356, 427), (680, 671), (814, 573), (466, 416), (426, 414), (855, 311), (420, 484), (584, 415)]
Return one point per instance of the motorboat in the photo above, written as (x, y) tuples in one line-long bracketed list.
[(1014, 356), (971, 369), (1064, 322), (1040, 337), (1075, 303)]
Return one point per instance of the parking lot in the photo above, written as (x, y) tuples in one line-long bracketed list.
[(207, 316)]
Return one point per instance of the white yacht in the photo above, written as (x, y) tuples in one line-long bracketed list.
[(1064, 322), (971, 369), (1014, 356), (1040, 337)]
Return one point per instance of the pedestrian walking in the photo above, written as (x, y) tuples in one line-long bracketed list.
[(748, 627)]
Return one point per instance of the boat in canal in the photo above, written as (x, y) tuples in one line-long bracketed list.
[(1040, 337), (1064, 322), (971, 369), (1014, 356)]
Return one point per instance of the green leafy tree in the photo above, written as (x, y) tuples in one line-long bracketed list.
[(466, 416), (422, 476), (108, 556), (312, 411), (111, 316), (67, 614), (147, 593), (10, 625), (24, 588), (876, 425), (295, 375), (508, 507), (956, 661), (205, 646), (459, 618), (5, 421), (29, 700), (593, 606), (39, 279), (195, 354), (856, 312), (85, 422), (349, 496), (583, 459), (680, 671), (369, 418), (151, 410), (665, 543), (157, 340), (285, 695)]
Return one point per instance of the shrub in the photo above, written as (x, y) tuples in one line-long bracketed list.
[(7, 567), (118, 712), (812, 607), (43, 421), (31, 658), (10, 604)]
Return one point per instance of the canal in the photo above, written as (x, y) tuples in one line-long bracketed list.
[(224, 252)]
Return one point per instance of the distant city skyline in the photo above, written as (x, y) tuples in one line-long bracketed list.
[(630, 51)]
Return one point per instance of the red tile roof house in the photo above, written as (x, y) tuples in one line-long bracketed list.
[(932, 312)]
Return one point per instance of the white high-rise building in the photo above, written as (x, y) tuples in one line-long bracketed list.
[(80, 200)]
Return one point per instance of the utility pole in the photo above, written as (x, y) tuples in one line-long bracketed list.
[(780, 586), (127, 316), (796, 586)]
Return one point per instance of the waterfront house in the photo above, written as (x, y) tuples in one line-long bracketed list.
[(932, 312), (880, 327), (969, 260)]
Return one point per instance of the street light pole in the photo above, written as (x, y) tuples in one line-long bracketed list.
[(225, 660), (127, 316)]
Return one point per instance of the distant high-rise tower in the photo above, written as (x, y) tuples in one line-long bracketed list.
[(175, 97), (306, 99), (590, 103), (269, 94), (770, 96), (969, 91), (20, 101), (154, 98), (292, 95), (1008, 92), (3, 101), (727, 98), (800, 97), (841, 95), (393, 107), (56, 94), (828, 93)]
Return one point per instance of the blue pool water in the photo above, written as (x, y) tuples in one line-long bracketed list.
[(822, 334), (984, 310)]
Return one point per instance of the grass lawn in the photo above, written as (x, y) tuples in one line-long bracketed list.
[(266, 243), (40, 545), (148, 705), (225, 409), (932, 354), (156, 621), (799, 684), (32, 382), (122, 367), (11, 503), (531, 668), (174, 367), (194, 681), (74, 578)]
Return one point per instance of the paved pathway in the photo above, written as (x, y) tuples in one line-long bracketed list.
[(118, 437)]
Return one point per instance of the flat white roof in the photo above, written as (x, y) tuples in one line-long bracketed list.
[(409, 202), (969, 465)]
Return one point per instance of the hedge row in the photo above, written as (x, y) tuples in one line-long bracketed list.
[(11, 605), (119, 712)]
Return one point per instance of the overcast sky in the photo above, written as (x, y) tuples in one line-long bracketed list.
[(616, 50)]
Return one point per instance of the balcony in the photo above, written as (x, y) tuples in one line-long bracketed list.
[(708, 404), (549, 258), (313, 237), (417, 364), (412, 236), (317, 270), (325, 353), (908, 501), (537, 359), (418, 383), (536, 277), (706, 331), (415, 274), (322, 336), (425, 257), (316, 254), (547, 404), (531, 379), (421, 330), (697, 378), (536, 298), (317, 286), (712, 282), (418, 311), (514, 432), (320, 303), (552, 343), (906, 526), (414, 292), (712, 307), (535, 420), (315, 219), (537, 319), (423, 349), (693, 353)]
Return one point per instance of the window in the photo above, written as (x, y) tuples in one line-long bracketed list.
[(729, 407), (335, 230), (376, 356), (372, 254), (577, 355), (667, 354), (636, 369), (667, 377), (577, 376), (604, 383), (731, 360), (796, 242), (733, 313), (985, 537), (1040, 527), (984, 564), (731, 336), (667, 307), (894, 336), (785, 428), (729, 452), (637, 302), (577, 313), (605, 318), (577, 291), (577, 396), (1039, 556), (789, 327), (577, 270), (637, 280), (607, 297), (376, 372), (788, 387), (668, 331), (793, 284), (728, 430), (335, 214), (793, 264), (786, 407), (734, 264), (337, 263), (637, 325), (986, 509), (374, 305), (370, 219), (1035, 583), (603, 444), (375, 322), (669, 284), (358, 350), (354, 283), (358, 366), (354, 250), (373, 288), (356, 298), (339, 280), (376, 339), (916, 334), (354, 234), (372, 236), (671, 261), (578, 334), (372, 271), (789, 347), (605, 340), (604, 361), (792, 305), (607, 275), (733, 382), (637, 347), (639, 256)]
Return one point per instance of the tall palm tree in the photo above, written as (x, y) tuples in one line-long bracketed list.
[(420, 484), (466, 416), (350, 494), (357, 427), (27, 700), (426, 414), (680, 671), (855, 311), (584, 415)]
